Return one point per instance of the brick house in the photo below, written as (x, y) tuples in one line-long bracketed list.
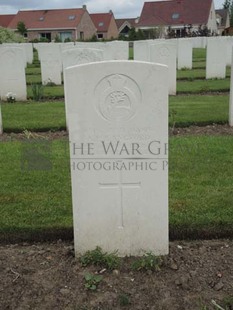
[(223, 20), (74, 24), (125, 24), (178, 15), (105, 24)]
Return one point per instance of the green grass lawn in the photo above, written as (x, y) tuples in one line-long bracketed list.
[(34, 201), (200, 180), (198, 110), (39, 202), (42, 116), (196, 74), (203, 86), (36, 204)]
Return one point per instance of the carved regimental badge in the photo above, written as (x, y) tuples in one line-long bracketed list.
[(118, 97)]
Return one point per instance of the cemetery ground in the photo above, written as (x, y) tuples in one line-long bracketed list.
[(37, 265)]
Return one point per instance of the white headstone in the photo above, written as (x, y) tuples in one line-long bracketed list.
[(229, 43), (117, 50), (199, 42), (51, 63), (29, 52), (141, 50), (118, 114), (165, 53), (79, 56), (231, 96), (18, 45), (12, 77), (185, 54), (216, 58)]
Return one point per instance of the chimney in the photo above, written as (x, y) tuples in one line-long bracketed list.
[(110, 12), (85, 7)]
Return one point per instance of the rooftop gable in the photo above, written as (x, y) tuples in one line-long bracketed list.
[(125, 21), (102, 21), (224, 13), (175, 12), (48, 19)]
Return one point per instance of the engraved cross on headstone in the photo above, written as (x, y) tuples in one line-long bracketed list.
[(121, 186)]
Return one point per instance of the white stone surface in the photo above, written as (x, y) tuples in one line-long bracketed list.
[(216, 58), (165, 53), (18, 45), (12, 73), (185, 54), (229, 43), (78, 56), (29, 52), (141, 50), (120, 195), (199, 42), (51, 63), (231, 96), (117, 50)]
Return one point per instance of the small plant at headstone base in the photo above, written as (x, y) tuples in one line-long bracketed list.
[(228, 302), (98, 258), (147, 262), (10, 97), (37, 92), (124, 300), (92, 281)]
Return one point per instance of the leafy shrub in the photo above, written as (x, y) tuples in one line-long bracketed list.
[(147, 262), (9, 36), (37, 91), (92, 281), (98, 258)]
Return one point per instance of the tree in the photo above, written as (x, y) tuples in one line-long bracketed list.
[(9, 36), (227, 4), (21, 28)]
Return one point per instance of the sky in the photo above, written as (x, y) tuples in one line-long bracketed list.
[(120, 8)]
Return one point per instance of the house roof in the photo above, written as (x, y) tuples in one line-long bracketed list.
[(48, 19), (102, 21), (122, 21), (5, 20), (224, 13), (175, 12)]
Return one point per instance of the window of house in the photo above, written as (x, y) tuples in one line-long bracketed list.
[(175, 15), (41, 18), (100, 36), (71, 17), (81, 35), (46, 35), (65, 35), (101, 24)]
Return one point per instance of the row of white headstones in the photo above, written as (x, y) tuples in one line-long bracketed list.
[(117, 112), (175, 53)]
